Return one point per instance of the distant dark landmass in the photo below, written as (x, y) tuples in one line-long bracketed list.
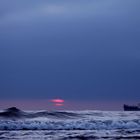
[(131, 108)]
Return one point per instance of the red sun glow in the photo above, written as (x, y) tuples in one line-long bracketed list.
[(57, 101)]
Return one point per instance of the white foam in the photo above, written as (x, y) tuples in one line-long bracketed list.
[(86, 121), (68, 125)]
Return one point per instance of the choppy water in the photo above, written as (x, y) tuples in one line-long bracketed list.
[(69, 125)]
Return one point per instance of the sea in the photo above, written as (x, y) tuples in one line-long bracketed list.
[(16, 124)]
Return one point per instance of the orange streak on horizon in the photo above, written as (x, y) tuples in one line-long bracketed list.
[(58, 104)]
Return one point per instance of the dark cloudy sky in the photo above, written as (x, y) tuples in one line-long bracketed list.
[(81, 50)]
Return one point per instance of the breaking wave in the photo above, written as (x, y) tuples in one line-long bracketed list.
[(68, 125), (15, 119)]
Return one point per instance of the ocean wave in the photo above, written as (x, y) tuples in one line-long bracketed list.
[(70, 135), (14, 112), (15, 119), (68, 125)]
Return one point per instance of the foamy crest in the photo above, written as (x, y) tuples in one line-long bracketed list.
[(68, 125), (15, 119)]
